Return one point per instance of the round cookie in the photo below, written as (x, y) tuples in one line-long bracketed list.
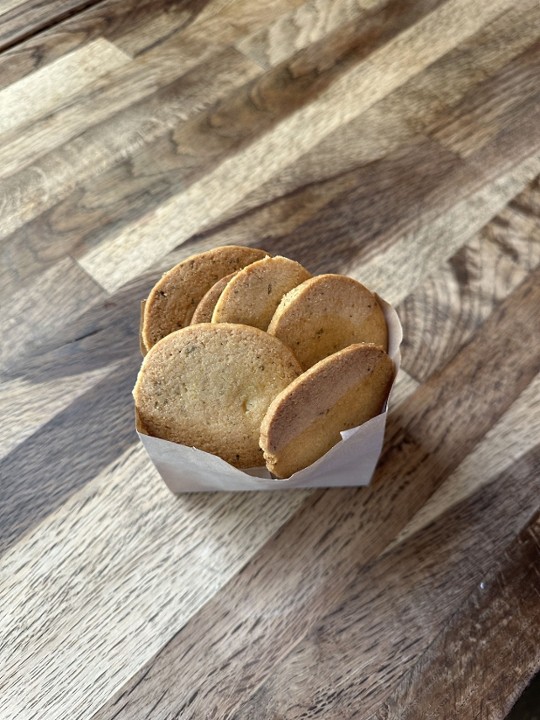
[(173, 299), (203, 311), (252, 296), (338, 393), (326, 314), (209, 386)]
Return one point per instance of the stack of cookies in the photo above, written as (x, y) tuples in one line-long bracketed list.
[(252, 359)]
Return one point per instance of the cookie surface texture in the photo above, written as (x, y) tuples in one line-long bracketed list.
[(173, 299), (252, 296), (340, 392), (326, 314), (203, 311), (209, 386)]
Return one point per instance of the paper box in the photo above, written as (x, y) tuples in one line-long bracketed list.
[(349, 463)]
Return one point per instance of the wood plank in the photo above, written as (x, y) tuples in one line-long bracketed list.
[(483, 114), (297, 577), (457, 674), (43, 91), (390, 612), (354, 91), (94, 572), (387, 251), (408, 256), (515, 435), (39, 246), (106, 19), (407, 111), (295, 30), (28, 319), (98, 128), (446, 310), (20, 19), (33, 405), (127, 86), (425, 100), (125, 25)]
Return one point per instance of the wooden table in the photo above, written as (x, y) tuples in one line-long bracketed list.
[(395, 141)]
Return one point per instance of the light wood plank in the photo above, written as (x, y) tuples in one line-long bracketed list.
[(45, 90), (95, 572), (107, 19), (353, 93)]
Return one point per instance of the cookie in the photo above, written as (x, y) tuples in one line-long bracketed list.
[(252, 296), (326, 314), (338, 393), (203, 311), (172, 301), (209, 386)]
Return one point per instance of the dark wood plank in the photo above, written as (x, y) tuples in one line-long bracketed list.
[(33, 46), (28, 319), (461, 674), (27, 18), (424, 101), (493, 107), (337, 532)]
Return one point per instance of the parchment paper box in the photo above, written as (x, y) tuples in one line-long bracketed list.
[(349, 463)]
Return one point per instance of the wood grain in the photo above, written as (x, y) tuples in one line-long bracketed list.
[(356, 90), (20, 19), (509, 599), (396, 141), (446, 310)]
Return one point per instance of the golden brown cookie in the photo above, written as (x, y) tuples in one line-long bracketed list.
[(338, 393), (203, 311), (172, 301), (326, 314), (252, 296), (209, 386)]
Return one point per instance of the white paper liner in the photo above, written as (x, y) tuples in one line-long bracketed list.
[(349, 463)]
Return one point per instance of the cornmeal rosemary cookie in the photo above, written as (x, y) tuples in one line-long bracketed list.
[(253, 294), (338, 393), (209, 386), (203, 311), (326, 314), (172, 301)]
